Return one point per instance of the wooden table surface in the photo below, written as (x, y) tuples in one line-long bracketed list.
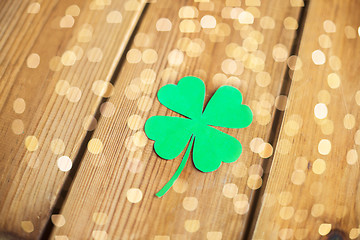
[(79, 78)]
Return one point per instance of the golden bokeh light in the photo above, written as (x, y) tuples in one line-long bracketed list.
[(190, 203), (73, 10), (58, 220), (267, 150), (33, 8), (68, 58), (55, 64), (85, 33), (114, 17), (132, 92), (286, 213), (320, 111), (254, 182), (73, 94), (214, 235), (19, 105), (99, 235), (335, 63), (239, 170), (94, 54), (17, 126), (180, 185), (324, 229), (102, 88), (107, 109), (100, 218), (329, 26), (57, 146), (145, 103), (192, 225), (27, 226), (241, 204), (323, 96), (188, 12), (294, 63), (64, 163), (256, 145), (163, 25), (281, 102), (280, 53), (324, 147), (319, 166), (317, 210), (327, 127), (33, 60), (333, 80), (286, 233), (134, 55), (134, 195), (208, 21), (297, 3), (149, 56), (246, 17), (298, 177), (352, 157), (354, 233), (349, 121), (230, 190), (301, 163), (89, 123), (135, 122), (31, 143), (175, 57), (318, 57), (263, 79), (67, 21), (325, 41), (267, 22), (140, 139), (189, 26), (79, 52), (290, 23), (285, 198), (95, 146)]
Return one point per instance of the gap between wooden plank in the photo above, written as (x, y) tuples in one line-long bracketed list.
[(275, 129), (77, 161)]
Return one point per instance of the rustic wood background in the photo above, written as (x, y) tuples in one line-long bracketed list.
[(79, 79)]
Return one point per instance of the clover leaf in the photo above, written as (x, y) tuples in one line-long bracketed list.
[(210, 145)]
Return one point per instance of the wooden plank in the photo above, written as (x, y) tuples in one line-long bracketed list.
[(51, 54), (125, 169), (313, 187)]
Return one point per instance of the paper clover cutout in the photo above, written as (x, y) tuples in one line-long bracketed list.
[(211, 146)]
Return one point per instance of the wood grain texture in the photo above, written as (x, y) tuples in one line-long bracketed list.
[(125, 169), (313, 187), (37, 54)]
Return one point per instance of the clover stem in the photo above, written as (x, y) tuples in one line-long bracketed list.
[(169, 184)]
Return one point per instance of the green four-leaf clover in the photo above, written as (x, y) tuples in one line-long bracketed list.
[(211, 146)]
